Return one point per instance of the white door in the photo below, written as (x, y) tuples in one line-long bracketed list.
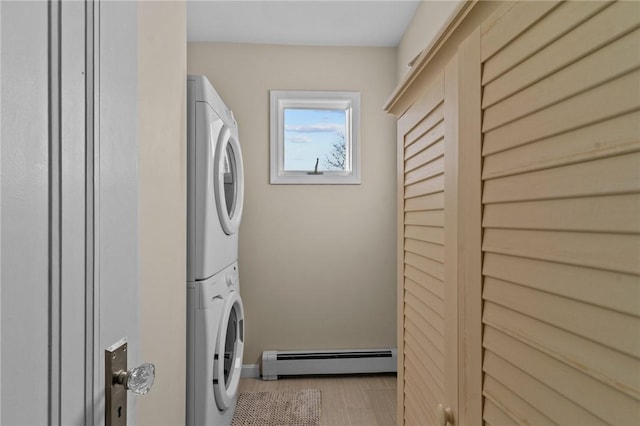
[(69, 202)]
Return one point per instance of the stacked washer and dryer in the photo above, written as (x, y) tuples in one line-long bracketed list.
[(215, 317)]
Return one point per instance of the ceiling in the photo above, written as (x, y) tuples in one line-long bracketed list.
[(301, 22)]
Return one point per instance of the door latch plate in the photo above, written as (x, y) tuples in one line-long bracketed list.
[(115, 360)]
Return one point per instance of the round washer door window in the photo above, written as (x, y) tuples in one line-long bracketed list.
[(227, 363), (228, 182)]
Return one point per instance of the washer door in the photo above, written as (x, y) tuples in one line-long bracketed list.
[(227, 362), (228, 182)]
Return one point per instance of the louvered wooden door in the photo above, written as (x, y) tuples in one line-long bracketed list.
[(519, 222), (561, 213), (431, 195), (423, 296)]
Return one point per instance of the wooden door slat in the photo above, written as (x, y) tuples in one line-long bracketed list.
[(428, 170), (425, 368), (618, 135), (614, 214), (597, 360), (424, 141), (419, 409), (558, 22), (432, 284), (606, 64), (425, 187), (415, 339), (433, 201), (572, 248), (426, 218), (429, 234), (609, 100), (426, 131), (591, 322), (434, 151), (621, 293), (422, 248), (576, 180), (518, 407), (509, 22), (428, 266), (432, 97), (432, 300), (592, 395), (425, 390), (426, 311), (546, 400), (427, 329), (429, 338), (605, 27), (494, 416)]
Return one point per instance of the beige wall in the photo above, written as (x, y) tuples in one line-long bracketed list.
[(161, 85), (317, 263), (425, 25)]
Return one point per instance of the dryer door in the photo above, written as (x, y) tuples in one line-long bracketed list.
[(227, 362), (228, 181)]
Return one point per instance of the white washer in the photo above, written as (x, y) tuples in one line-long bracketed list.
[(215, 318), (215, 342), (215, 181)]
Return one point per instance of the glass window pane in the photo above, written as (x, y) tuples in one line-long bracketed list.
[(315, 135)]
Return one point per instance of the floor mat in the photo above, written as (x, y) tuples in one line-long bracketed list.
[(301, 408)]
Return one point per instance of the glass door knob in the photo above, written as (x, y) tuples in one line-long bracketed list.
[(138, 380)]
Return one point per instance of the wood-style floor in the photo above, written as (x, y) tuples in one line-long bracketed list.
[(346, 400)]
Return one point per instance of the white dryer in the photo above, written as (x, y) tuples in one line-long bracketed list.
[(215, 338), (215, 181), (215, 318)]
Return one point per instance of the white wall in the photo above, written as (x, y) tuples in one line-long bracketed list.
[(425, 26), (162, 100), (317, 263)]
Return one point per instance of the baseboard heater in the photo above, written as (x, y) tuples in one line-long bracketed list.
[(348, 361)]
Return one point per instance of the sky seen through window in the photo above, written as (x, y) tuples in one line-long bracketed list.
[(310, 134)]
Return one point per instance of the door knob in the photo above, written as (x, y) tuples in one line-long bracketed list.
[(138, 380), (445, 415)]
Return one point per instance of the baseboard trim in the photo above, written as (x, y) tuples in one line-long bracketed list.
[(335, 361), (250, 370)]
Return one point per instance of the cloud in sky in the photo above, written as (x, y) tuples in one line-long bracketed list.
[(299, 139), (314, 128)]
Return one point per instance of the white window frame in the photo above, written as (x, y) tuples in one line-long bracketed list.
[(349, 101)]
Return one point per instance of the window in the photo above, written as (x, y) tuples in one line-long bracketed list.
[(315, 137)]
